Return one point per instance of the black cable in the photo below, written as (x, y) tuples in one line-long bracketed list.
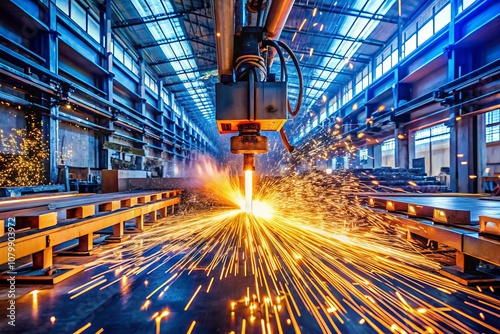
[(284, 71), (301, 80), (259, 12), (284, 74), (287, 144)]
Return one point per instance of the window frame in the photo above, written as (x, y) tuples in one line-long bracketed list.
[(492, 126)]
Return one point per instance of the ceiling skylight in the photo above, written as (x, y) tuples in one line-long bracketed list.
[(354, 28), (178, 52)]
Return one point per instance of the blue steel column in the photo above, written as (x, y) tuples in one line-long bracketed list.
[(401, 145), (104, 161), (463, 134), (142, 94), (51, 55), (161, 105), (453, 111), (182, 160)]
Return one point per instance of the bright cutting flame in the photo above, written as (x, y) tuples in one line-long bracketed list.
[(262, 209), (248, 190)]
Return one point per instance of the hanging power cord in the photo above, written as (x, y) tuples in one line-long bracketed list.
[(301, 80), (283, 72), (250, 62), (284, 77)]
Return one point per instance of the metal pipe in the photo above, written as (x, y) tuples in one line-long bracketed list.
[(276, 19), (223, 11), (239, 16), (252, 9), (249, 161)]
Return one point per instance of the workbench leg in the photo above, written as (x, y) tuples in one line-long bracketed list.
[(465, 262), (42, 259), (433, 245), (163, 212), (85, 243), (118, 230), (139, 222), (153, 216), (173, 208)]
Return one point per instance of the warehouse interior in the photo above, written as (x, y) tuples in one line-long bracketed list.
[(249, 166)]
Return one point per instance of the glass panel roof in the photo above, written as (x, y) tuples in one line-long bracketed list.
[(172, 30), (354, 27), (325, 48)]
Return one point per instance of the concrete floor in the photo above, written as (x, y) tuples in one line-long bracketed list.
[(120, 308)]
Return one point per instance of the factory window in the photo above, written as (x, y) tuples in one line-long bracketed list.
[(176, 108), (378, 71), (135, 68), (125, 58), (394, 57), (151, 83), (465, 4), (166, 97), (493, 134), (388, 152), (362, 80), (363, 155), (63, 5), (386, 65), (78, 14), (387, 59), (359, 85), (442, 18), (333, 105), (410, 45), (127, 61), (82, 17), (94, 29), (366, 80), (322, 116), (118, 52), (493, 126), (433, 144), (315, 123), (425, 32), (388, 145)]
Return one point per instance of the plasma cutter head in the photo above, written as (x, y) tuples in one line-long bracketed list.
[(253, 103), (247, 108)]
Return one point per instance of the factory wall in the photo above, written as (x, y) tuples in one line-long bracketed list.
[(100, 102), (77, 146), (12, 118), (493, 158), (450, 78)]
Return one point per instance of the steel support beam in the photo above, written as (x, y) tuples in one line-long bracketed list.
[(193, 56), (167, 41), (349, 12), (316, 53), (148, 19), (335, 36), (52, 64)]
